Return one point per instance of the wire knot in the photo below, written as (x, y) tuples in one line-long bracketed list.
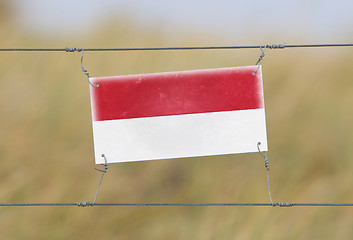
[(276, 46), (283, 204), (267, 164), (68, 49), (263, 154), (260, 59), (105, 164), (84, 204), (86, 72)]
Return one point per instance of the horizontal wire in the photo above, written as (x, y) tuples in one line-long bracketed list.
[(227, 204), (35, 204), (273, 46), (86, 204)]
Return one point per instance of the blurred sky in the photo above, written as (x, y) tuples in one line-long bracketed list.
[(237, 20)]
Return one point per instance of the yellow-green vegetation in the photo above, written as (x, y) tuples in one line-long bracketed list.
[(47, 148)]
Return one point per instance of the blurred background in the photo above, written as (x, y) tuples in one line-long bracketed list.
[(46, 139)]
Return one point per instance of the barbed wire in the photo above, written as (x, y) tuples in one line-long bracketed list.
[(271, 46), (88, 204)]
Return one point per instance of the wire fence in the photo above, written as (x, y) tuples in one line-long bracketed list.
[(269, 46), (262, 47), (88, 204)]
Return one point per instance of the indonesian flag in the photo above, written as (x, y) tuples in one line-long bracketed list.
[(178, 114)]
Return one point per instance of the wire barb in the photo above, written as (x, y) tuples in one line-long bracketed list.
[(68, 49), (103, 172), (84, 204), (276, 46), (285, 204), (83, 69)]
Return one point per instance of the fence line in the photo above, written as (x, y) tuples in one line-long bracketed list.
[(269, 46)]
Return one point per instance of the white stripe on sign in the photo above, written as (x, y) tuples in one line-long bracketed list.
[(180, 136)]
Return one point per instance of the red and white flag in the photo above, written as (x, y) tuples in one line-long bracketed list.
[(178, 114)]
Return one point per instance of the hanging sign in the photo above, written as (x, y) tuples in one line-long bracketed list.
[(178, 114)]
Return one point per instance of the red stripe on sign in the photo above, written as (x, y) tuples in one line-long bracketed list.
[(175, 93)]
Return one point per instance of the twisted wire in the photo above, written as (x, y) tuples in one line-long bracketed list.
[(82, 67), (263, 154)]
